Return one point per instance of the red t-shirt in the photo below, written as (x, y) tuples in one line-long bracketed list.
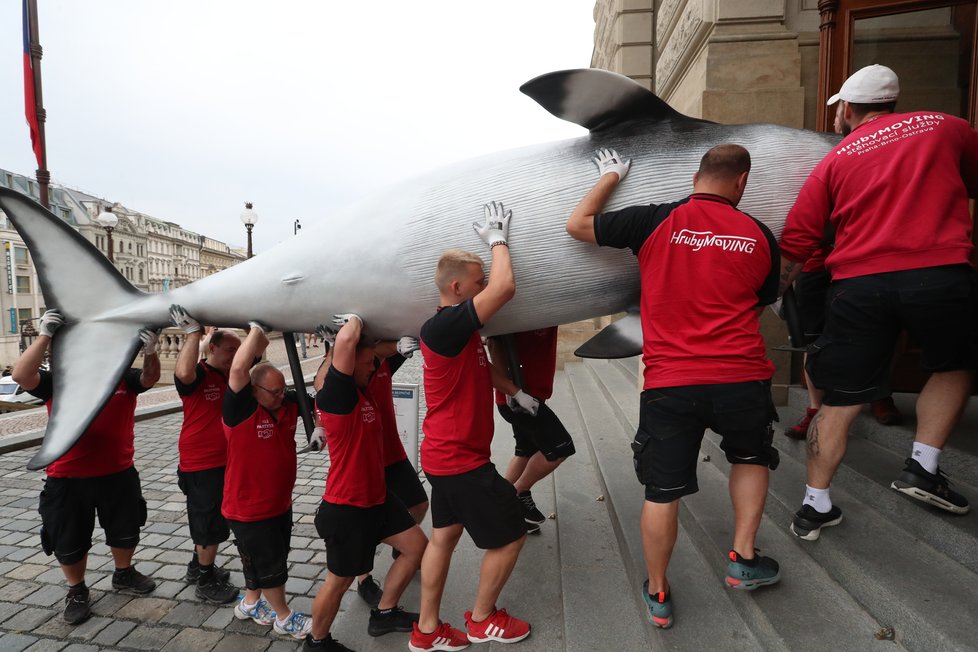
[(458, 390), (202, 443), (537, 353), (381, 391), (705, 267), (354, 435), (260, 473), (108, 445), (896, 190)]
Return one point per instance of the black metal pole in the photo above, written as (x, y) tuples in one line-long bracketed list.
[(305, 410)]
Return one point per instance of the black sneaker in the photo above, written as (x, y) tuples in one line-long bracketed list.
[(193, 573), (808, 521), (530, 512), (396, 620), (130, 580), (78, 607), (328, 644), (216, 591), (931, 488), (532, 528), (370, 591)]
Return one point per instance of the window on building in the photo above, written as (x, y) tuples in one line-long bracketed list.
[(24, 314), (65, 214), (120, 247), (20, 256), (130, 246), (140, 274), (30, 187), (23, 285), (10, 180)]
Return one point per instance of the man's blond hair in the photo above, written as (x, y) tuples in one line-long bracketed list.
[(454, 264)]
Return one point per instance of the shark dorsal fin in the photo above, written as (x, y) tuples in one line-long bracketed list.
[(596, 99)]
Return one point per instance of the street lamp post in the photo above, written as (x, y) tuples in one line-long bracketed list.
[(296, 227), (248, 218), (108, 221), (27, 334)]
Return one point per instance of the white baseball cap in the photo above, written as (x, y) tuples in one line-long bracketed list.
[(873, 84)]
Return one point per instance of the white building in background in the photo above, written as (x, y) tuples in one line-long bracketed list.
[(152, 254)]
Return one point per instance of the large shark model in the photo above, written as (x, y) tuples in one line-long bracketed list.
[(382, 252)]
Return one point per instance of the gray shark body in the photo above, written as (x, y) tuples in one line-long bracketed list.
[(377, 258)]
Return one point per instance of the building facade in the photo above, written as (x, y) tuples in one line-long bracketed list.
[(152, 254)]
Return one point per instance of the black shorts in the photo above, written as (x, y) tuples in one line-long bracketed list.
[(482, 501), (352, 534), (264, 548), (811, 290), (204, 491), (937, 307), (544, 433), (671, 427), (403, 481), (68, 507)]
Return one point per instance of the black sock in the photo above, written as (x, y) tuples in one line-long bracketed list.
[(123, 571), (195, 561), (75, 589), (206, 573)]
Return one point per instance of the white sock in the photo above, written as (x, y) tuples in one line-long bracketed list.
[(926, 456), (246, 606), (818, 498), (282, 621)]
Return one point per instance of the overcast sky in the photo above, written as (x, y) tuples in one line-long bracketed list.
[(185, 109)]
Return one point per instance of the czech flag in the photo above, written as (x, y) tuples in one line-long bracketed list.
[(30, 101)]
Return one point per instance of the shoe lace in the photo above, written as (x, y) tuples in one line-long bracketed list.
[(527, 500), (262, 610), (296, 621)]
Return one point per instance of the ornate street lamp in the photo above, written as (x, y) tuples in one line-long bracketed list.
[(27, 334), (108, 221), (248, 218)]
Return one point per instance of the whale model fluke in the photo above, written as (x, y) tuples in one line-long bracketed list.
[(619, 339)]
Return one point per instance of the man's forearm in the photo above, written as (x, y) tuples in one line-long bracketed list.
[(151, 370), (580, 225), (186, 367), (790, 270)]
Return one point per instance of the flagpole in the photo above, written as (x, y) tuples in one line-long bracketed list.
[(43, 176)]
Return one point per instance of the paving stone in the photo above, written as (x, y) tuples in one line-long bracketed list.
[(148, 637), (89, 629), (171, 572), (284, 646), (115, 632), (169, 588), (305, 571), (81, 647), (193, 640), (301, 555), (46, 596), (55, 628), (147, 610), (110, 603), (8, 608), (16, 642), (53, 576), (20, 554), (220, 618), (46, 645), (15, 590), (240, 643), (26, 571), (28, 619), (298, 586), (7, 566), (172, 557), (189, 614)]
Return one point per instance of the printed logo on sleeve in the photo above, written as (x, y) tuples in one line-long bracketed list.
[(697, 240)]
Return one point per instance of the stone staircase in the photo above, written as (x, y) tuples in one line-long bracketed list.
[(894, 575)]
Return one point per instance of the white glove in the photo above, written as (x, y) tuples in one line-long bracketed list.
[(327, 333), (51, 321), (608, 160), (260, 326), (317, 440), (496, 228), (406, 346), (523, 402), (340, 320), (150, 340), (182, 320)]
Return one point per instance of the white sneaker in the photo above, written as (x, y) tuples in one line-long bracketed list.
[(297, 625), (261, 613)]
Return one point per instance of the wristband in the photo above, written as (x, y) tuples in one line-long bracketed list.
[(498, 242)]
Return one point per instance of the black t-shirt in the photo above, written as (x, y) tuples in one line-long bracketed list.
[(338, 394), (186, 389), (450, 329)]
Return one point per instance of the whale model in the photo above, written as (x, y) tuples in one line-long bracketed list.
[(382, 252)]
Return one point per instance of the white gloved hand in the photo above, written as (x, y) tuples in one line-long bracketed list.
[(150, 340), (495, 230), (523, 402), (317, 440), (406, 346), (340, 320), (51, 321), (182, 320), (327, 333), (260, 326), (608, 160)]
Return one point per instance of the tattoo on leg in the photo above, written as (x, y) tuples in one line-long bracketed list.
[(812, 437)]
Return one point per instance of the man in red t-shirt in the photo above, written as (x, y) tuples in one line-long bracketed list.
[(542, 441), (895, 191), (358, 510), (259, 425), (96, 475), (705, 360), (203, 451), (467, 493)]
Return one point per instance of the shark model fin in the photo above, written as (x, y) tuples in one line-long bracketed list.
[(89, 354), (620, 339), (597, 99)]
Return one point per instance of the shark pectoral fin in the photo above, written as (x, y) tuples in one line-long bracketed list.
[(596, 99), (621, 339), (88, 370)]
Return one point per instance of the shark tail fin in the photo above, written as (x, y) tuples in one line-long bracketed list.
[(93, 349)]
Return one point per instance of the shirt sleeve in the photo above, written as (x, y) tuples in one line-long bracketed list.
[(338, 394), (133, 381), (238, 406), (627, 228), (450, 329), (45, 388), (768, 293), (395, 362), (805, 227), (186, 389)]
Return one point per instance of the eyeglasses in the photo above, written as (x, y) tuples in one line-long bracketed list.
[(274, 392)]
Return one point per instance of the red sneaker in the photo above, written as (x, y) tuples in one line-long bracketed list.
[(499, 626), (886, 412), (445, 637), (800, 429)]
